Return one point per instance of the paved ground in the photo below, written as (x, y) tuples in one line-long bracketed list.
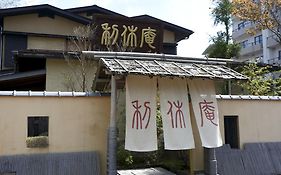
[(147, 171)]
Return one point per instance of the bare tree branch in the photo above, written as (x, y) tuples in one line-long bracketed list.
[(81, 67)]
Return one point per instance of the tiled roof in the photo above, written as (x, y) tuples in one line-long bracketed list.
[(45, 9), (170, 68)]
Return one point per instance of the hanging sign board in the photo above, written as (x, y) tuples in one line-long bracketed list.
[(127, 34), (205, 107), (175, 114), (141, 135)]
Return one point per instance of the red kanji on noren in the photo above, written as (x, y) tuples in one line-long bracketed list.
[(179, 114), (137, 117), (147, 112), (207, 109)]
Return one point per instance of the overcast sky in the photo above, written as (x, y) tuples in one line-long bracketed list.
[(190, 14)]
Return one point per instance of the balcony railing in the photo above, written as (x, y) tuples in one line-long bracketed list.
[(240, 31), (251, 48), (272, 41), (275, 61)]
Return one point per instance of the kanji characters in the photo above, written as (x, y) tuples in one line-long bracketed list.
[(129, 36), (129, 40), (178, 114), (148, 36), (208, 110), (107, 37), (138, 120)]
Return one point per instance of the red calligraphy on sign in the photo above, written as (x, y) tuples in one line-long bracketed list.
[(147, 112), (207, 109), (137, 117), (179, 114)]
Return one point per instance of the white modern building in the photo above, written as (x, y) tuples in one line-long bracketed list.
[(262, 47)]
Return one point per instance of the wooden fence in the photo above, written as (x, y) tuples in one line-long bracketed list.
[(254, 159), (86, 163)]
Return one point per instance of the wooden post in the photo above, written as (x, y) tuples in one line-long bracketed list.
[(112, 132), (211, 167)]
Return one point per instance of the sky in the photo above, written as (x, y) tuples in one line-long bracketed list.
[(191, 14)]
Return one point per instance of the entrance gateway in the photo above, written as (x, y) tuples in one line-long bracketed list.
[(120, 64)]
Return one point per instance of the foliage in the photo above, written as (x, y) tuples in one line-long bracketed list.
[(221, 49), (173, 165), (127, 159), (222, 15), (266, 14), (260, 82), (124, 157), (37, 142), (221, 46)]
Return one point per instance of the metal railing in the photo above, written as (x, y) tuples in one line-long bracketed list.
[(245, 26), (272, 41), (251, 44), (256, 60), (273, 37), (250, 48), (275, 61)]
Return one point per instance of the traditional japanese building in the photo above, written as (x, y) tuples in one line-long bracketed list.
[(74, 125), (34, 39), (55, 132)]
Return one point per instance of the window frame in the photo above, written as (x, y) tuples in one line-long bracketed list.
[(237, 140), (241, 25), (258, 39), (244, 44), (39, 131), (279, 54)]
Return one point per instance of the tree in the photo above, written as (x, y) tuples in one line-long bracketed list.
[(260, 82), (81, 74), (82, 68), (222, 46), (221, 49), (266, 14), (222, 15)]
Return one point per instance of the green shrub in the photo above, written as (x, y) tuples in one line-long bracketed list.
[(173, 165), (37, 142), (124, 158)]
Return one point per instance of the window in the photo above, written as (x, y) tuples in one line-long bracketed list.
[(12, 43), (244, 44), (258, 39), (241, 25), (231, 132), (38, 126), (279, 55)]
